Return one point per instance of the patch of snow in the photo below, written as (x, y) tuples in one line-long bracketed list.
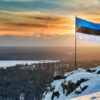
[(13, 63), (75, 71)]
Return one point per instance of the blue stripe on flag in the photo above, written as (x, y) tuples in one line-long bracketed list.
[(84, 23)]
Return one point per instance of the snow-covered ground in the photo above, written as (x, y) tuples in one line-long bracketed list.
[(12, 63), (93, 96), (74, 84)]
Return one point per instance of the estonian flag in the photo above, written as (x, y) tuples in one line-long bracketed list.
[(87, 30)]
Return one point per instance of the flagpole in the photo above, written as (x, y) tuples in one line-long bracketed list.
[(75, 46)]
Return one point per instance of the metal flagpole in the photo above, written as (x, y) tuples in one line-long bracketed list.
[(75, 46)]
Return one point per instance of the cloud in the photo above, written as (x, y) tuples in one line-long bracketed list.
[(53, 6), (32, 24), (27, 25), (47, 18), (75, 6), (17, 0)]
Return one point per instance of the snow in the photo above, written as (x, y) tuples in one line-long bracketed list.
[(48, 96), (12, 63), (91, 84), (93, 96), (58, 83), (97, 69), (75, 71)]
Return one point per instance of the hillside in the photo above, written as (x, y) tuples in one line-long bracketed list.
[(74, 84)]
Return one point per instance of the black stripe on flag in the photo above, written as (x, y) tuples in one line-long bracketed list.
[(88, 31)]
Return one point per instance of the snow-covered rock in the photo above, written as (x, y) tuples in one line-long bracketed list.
[(73, 84)]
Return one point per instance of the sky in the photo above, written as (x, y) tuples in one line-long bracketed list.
[(44, 22)]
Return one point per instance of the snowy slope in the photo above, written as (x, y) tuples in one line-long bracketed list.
[(73, 84), (93, 96)]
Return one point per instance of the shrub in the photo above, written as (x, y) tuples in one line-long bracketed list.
[(55, 94), (90, 70), (80, 81), (70, 87), (59, 77), (98, 72)]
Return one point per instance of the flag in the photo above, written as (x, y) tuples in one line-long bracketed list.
[(87, 30)]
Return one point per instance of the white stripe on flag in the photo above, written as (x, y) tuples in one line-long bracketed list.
[(89, 37)]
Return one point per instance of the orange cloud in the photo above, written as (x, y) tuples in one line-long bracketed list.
[(39, 24)]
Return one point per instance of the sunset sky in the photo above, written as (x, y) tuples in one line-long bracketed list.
[(44, 22)]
